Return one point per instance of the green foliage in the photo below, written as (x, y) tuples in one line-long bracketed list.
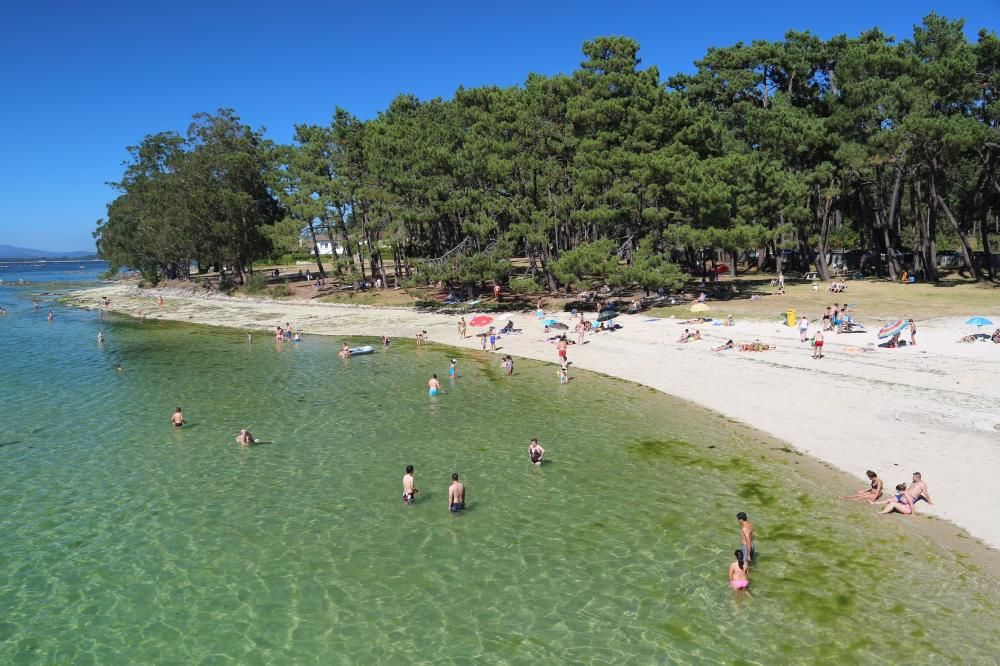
[(525, 285), (802, 144), (255, 284), (281, 291), (597, 261)]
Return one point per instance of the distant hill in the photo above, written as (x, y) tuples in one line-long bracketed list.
[(11, 252)]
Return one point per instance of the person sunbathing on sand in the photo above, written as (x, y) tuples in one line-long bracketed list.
[(872, 493), (900, 502), (756, 346), (729, 345)]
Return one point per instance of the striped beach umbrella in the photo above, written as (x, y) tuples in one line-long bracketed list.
[(892, 328)]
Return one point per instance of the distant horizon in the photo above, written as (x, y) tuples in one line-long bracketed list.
[(77, 103)]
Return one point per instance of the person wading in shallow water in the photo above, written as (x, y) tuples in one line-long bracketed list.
[(177, 418), (456, 494)]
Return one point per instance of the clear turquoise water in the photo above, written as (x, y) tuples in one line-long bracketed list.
[(126, 541)]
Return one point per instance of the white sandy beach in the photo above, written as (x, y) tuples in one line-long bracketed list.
[(933, 408)]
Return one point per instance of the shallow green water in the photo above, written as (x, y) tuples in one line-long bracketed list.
[(126, 541)]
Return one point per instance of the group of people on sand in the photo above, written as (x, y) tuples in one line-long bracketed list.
[(837, 287), (904, 501)]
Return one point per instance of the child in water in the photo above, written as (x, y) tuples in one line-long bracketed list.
[(563, 376)]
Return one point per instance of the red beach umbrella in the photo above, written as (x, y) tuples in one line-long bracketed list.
[(481, 320)]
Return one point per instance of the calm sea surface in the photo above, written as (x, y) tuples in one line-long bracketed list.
[(123, 540)]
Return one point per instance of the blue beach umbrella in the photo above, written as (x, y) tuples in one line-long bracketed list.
[(979, 321)]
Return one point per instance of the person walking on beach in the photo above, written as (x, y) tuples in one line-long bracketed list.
[(818, 345), (581, 329), (159, 300), (177, 418), (918, 490), (871, 493), (456, 494), (746, 537), (739, 573), (496, 292), (803, 329), (409, 492), (913, 333), (433, 385), (535, 452), (493, 339), (461, 328), (562, 346)]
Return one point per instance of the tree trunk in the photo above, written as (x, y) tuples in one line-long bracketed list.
[(319, 262), (962, 236)]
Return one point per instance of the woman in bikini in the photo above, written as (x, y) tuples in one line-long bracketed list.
[(739, 573), (900, 502), (869, 494)]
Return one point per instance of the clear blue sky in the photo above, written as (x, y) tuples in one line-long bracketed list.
[(82, 80)]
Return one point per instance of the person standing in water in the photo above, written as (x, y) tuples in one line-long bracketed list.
[(433, 386), (452, 369), (100, 336), (409, 492), (51, 316), (245, 438), (746, 537), (739, 573), (535, 452), (177, 418), (456, 494)]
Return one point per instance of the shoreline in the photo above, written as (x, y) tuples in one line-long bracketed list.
[(930, 408)]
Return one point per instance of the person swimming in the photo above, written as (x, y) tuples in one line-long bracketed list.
[(433, 386), (739, 573), (245, 438)]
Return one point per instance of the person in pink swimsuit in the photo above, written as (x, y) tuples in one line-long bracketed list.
[(739, 577)]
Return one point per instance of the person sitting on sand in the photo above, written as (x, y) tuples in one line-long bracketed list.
[(739, 573), (996, 336), (872, 493), (918, 490), (729, 345), (508, 328), (245, 438), (900, 502), (729, 321), (685, 336)]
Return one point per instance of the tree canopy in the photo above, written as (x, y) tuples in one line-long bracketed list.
[(783, 151)]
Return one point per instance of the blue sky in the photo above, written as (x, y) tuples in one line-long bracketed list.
[(81, 81)]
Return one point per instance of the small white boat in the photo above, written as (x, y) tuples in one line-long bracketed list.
[(359, 351)]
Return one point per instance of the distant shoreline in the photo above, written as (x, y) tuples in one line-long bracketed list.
[(47, 260)]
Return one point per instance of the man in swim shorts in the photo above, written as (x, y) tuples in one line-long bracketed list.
[(409, 492), (456, 495), (451, 369), (562, 347), (177, 418), (918, 490), (818, 344), (433, 386), (746, 537), (535, 452)]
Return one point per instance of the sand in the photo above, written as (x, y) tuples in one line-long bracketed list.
[(932, 408)]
